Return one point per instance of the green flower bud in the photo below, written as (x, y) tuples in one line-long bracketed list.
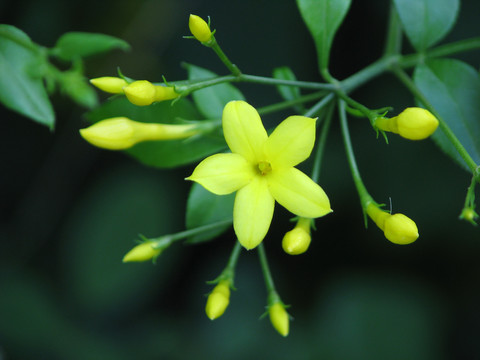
[(218, 300)]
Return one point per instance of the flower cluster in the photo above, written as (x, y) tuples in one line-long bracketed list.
[(260, 168)]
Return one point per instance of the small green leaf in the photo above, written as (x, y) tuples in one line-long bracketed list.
[(211, 100), (21, 85), (204, 208), (163, 154), (426, 21), (76, 86), (323, 18), (453, 88), (74, 45), (287, 92)]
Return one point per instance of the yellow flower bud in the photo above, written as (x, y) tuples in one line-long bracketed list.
[(143, 93), (199, 28), (112, 85), (140, 93), (142, 252), (400, 229), (397, 228), (218, 300), (122, 133), (412, 123), (297, 241), (279, 318)]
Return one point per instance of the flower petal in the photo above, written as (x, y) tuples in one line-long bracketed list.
[(253, 212), (223, 174), (291, 142), (243, 130), (298, 193)]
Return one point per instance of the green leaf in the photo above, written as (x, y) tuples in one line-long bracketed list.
[(76, 86), (211, 100), (426, 21), (163, 154), (453, 88), (74, 45), (205, 208), (21, 85), (323, 18), (287, 92)]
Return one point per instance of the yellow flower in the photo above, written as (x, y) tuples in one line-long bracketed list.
[(122, 133), (398, 228), (297, 241), (279, 318), (199, 28), (143, 93), (218, 300), (112, 85), (412, 123), (142, 252), (261, 170)]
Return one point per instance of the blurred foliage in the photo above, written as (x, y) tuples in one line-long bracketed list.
[(69, 212)]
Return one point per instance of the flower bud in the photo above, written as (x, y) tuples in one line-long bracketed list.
[(143, 93), (469, 215), (112, 85), (122, 133), (199, 28), (412, 123), (397, 228), (142, 252), (140, 93), (279, 318), (218, 300), (297, 241), (400, 229)]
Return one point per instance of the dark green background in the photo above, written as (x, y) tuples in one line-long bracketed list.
[(69, 212)]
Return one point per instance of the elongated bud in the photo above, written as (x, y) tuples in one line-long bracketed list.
[(143, 93), (199, 28), (142, 252), (297, 241), (218, 300), (397, 228), (122, 133), (112, 85), (412, 123), (279, 318)]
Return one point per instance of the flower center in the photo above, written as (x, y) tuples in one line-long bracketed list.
[(264, 167)]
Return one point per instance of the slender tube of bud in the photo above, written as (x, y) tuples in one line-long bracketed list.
[(122, 133), (109, 84), (143, 93)]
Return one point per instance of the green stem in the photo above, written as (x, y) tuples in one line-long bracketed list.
[(271, 81), (186, 88), (272, 293), (457, 47), (223, 57), (321, 145), (319, 106), (191, 232), (365, 197), (410, 85), (393, 43), (229, 272), (289, 103)]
